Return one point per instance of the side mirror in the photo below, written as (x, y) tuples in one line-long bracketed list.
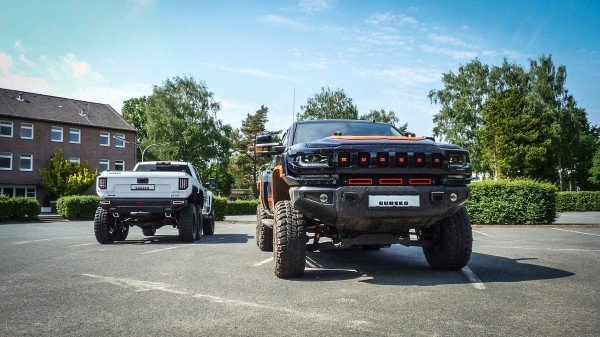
[(212, 183), (266, 147)]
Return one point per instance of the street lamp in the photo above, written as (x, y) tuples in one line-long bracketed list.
[(149, 146), (139, 145)]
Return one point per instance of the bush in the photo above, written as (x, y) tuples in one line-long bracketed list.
[(512, 202), (578, 201), (18, 208), (220, 207), (81, 207), (242, 207)]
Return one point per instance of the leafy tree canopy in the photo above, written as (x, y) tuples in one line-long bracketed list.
[(329, 104)]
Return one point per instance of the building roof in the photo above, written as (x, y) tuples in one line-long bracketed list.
[(21, 104)]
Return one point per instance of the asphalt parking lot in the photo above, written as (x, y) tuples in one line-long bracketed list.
[(56, 280)]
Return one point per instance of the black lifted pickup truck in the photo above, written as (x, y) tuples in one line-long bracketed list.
[(362, 184)]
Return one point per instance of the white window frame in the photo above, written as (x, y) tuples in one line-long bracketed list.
[(119, 137), (26, 156), (78, 133), (27, 126), (119, 162), (27, 190), (52, 129), (107, 161), (102, 133), (75, 160), (6, 155), (12, 128)]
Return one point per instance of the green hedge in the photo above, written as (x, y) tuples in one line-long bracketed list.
[(512, 202), (18, 208), (225, 207), (220, 207), (242, 207), (578, 201), (77, 206)]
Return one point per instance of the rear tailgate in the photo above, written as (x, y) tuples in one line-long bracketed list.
[(144, 185)]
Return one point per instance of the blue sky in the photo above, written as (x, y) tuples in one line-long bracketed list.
[(384, 54)]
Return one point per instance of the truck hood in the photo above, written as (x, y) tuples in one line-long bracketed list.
[(334, 141)]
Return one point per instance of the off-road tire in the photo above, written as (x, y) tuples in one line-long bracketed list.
[(290, 241), (264, 234), (186, 223), (103, 227), (453, 242), (149, 231), (208, 224), (121, 232)]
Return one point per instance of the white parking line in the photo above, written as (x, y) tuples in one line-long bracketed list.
[(566, 230), (475, 281), (85, 244), (162, 249), (543, 248), (41, 240), (263, 262), (482, 233)]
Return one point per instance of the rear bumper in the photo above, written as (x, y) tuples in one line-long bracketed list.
[(143, 208), (348, 208)]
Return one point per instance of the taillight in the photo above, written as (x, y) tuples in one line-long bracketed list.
[(183, 183), (420, 181), (344, 159), (360, 181), (391, 181), (102, 183)]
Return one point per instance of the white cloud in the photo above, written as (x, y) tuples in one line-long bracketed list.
[(18, 45), (25, 83), (247, 71), (402, 75), (457, 54), (6, 63), (450, 40), (114, 96), (233, 113), (78, 68), (277, 20), (388, 18), (315, 5), (316, 65), (25, 60), (139, 6)]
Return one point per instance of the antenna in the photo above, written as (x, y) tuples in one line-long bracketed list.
[(294, 107)]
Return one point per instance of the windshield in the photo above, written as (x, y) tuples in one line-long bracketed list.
[(163, 168), (308, 132)]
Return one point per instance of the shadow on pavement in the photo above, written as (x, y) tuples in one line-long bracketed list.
[(174, 239), (406, 267)]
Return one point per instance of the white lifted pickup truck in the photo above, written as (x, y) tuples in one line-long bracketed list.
[(153, 195)]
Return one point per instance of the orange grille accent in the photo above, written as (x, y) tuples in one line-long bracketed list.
[(391, 181), (420, 181), (360, 181)]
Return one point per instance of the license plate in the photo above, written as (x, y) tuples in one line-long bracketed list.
[(393, 201), (142, 187)]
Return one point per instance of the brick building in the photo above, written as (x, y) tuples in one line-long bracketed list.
[(34, 126)]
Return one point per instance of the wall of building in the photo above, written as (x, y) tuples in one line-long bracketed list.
[(41, 147)]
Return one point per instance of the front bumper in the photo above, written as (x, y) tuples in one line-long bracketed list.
[(348, 209), (142, 208)]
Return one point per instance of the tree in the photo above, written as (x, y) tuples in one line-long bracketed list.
[(384, 117), (329, 104), (61, 177), (134, 111), (182, 113), (515, 122), (595, 169), (245, 163)]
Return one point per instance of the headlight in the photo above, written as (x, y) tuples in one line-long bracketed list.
[(313, 160), (457, 159)]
